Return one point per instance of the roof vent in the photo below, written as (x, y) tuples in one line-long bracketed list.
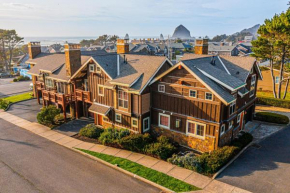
[(212, 60), (237, 72)]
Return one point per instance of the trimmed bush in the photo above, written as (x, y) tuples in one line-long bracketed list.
[(162, 149), (112, 136), (271, 117), (15, 80), (58, 119), (273, 102), (47, 114), (3, 104), (189, 161), (135, 142), (243, 140), (91, 131)]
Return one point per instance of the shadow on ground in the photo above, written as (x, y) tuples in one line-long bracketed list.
[(73, 127)]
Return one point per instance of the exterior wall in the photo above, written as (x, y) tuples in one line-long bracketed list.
[(267, 84)]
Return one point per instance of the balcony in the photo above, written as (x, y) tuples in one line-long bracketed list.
[(82, 95), (58, 98), (39, 85)]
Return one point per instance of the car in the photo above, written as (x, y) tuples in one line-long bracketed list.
[(5, 75)]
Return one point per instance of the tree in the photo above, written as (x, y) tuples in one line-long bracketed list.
[(9, 39), (273, 44), (114, 38)]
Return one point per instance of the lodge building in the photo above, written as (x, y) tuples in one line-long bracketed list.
[(201, 102)]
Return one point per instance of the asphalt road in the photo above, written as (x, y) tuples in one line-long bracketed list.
[(30, 163), (8, 88), (263, 168)]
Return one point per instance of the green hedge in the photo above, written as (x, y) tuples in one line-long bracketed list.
[(3, 104), (91, 131), (273, 102), (271, 117)]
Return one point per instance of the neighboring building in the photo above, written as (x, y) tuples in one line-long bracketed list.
[(223, 50), (267, 83), (204, 101), (19, 65)]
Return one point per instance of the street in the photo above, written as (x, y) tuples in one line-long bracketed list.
[(30, 163), (8, 88)]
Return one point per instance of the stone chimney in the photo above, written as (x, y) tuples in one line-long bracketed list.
[(72, 58), (34, 49), (123, 45), (201, 46)]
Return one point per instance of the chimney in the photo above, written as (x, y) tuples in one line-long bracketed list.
[(34, 49), (201, 46), (72, 58), (123, 45)]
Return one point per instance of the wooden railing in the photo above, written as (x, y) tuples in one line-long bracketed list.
[(39, 85), (56, 97), (82, 95)]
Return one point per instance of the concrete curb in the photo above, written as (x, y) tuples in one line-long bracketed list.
[(232, 160), (16, 103), (124, 171)]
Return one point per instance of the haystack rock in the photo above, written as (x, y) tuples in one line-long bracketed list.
[(181, 33)]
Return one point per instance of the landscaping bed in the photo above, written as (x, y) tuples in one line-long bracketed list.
[(4, 102), (147, 173), (271, 117)]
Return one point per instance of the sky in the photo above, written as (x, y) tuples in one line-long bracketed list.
[(57, 18)]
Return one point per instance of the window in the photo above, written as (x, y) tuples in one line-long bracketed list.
[(49, 83), (146, 124), (208, 96), (118, 118), (231, 124), (195, 129), (134, 122), (60, 87), (101, 90), (98, 70), (92, 68), (164, 121), (161, 88), (253, 85), (232, 108), (86, 84), (123, 99), (177, 123), (277, 79), (239, 118), (192, 93), (223, 129)]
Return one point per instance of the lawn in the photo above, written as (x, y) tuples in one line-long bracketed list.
[(147, 173), (19, 97), (270, 95)]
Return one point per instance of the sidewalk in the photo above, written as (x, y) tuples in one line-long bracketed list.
[(193, 178)]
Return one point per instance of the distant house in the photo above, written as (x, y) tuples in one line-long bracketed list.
[(223, 50), (244, 48), (19, 66)]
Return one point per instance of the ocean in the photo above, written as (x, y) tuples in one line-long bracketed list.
[(62, 40)]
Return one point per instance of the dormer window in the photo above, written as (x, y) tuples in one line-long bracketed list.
[(161, 88), (92, 68)]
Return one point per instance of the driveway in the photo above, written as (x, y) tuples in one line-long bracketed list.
[(73, 127), (26, 109), (7, 87), (264, 167), (30, 163)]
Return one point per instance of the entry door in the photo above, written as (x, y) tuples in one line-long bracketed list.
[(100, 120)]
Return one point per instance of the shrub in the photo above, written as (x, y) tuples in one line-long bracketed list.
[(188, 161), (112, 136), (3, 104), (91, 131), (58, 119), (162, 149), (47, 114), (271, 117), (213, 161), (15, 80), (135, 142), (243, 140), (273, 102)]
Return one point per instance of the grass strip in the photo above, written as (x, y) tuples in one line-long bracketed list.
[(147, 173), (19, 97)]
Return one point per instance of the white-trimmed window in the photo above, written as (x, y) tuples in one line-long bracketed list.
[(192, 93), (49, 83), (277, 79), (164, 121), (101, 90), (223, 129), (92, 68), (253, 85), (231, 124), (98, 69), (177, 123), (239, 117), (146, 124), (161, 88), (118, 118), (60, 87), (123, 99), (208, 96), (134, 122), (195, 129), (232, 108)]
